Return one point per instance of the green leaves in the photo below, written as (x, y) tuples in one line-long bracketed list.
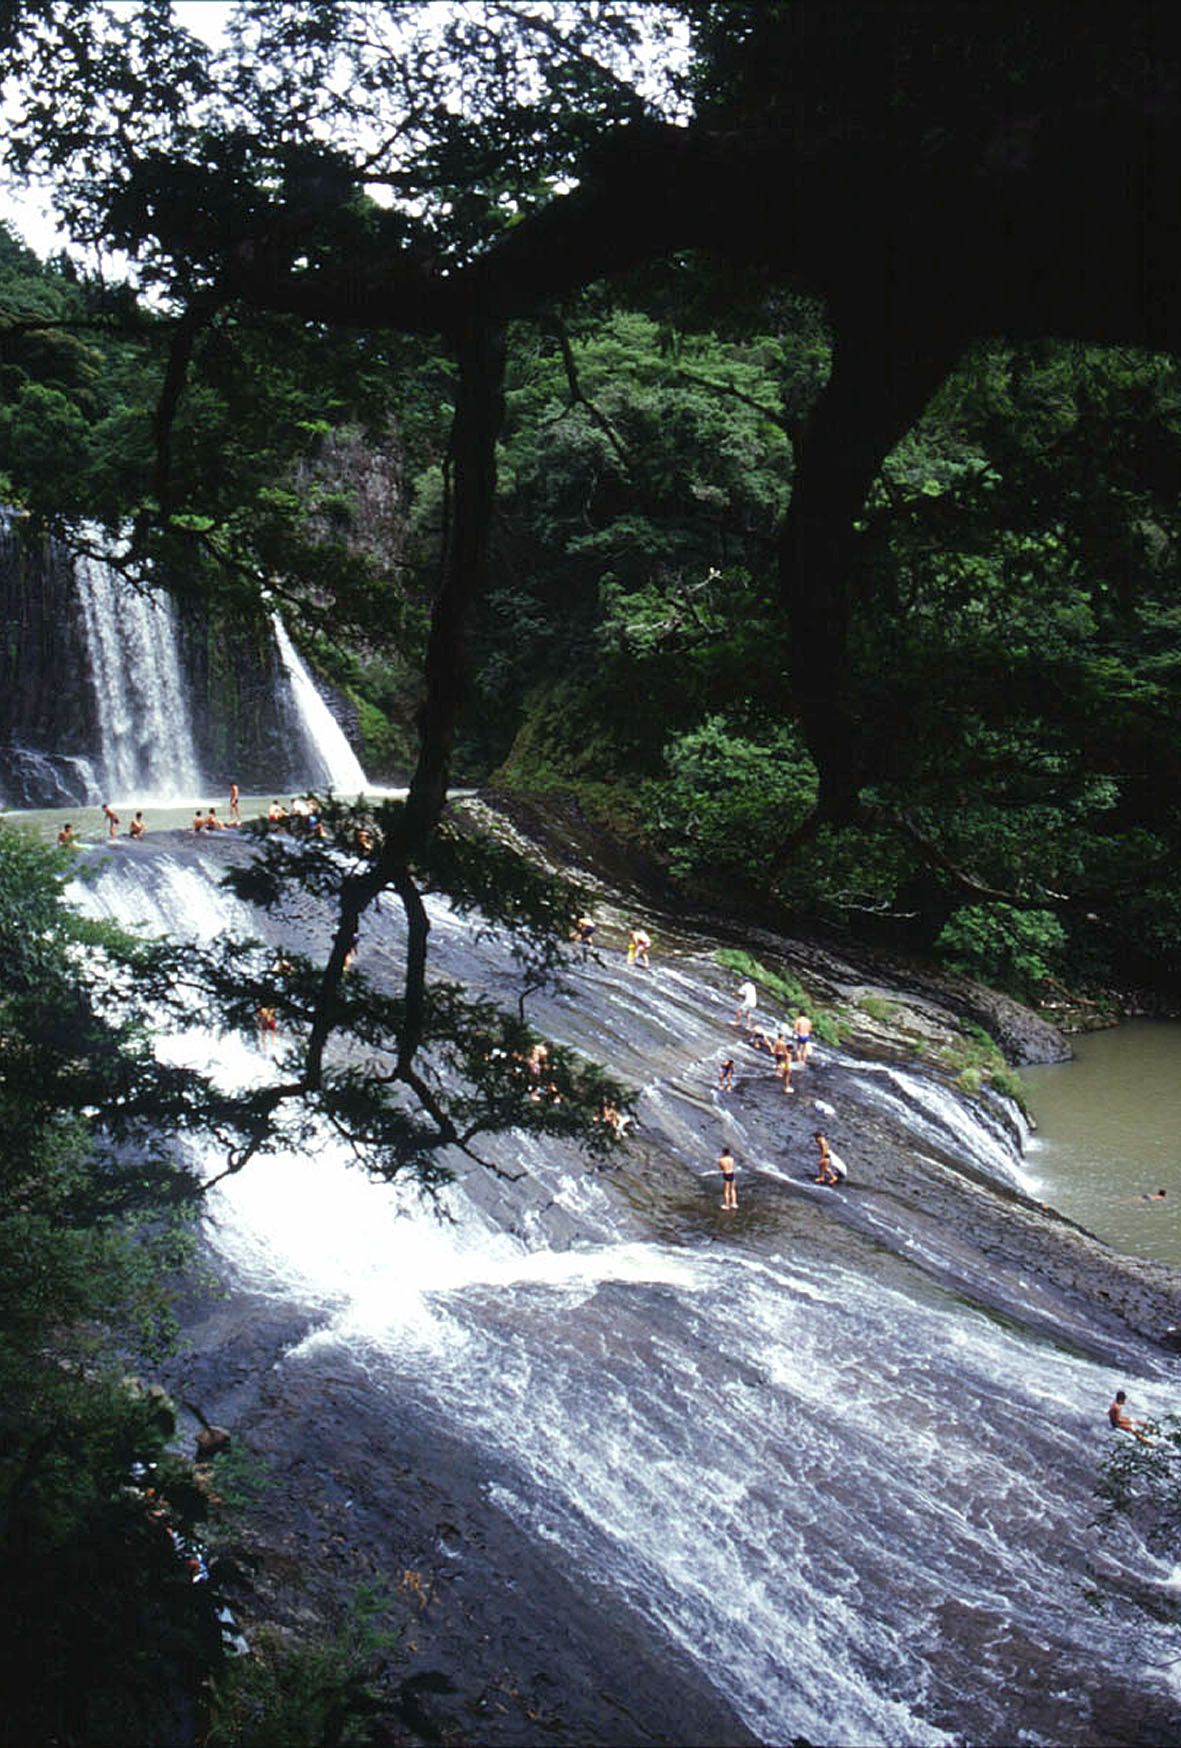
[(730, 798), (997, 944)]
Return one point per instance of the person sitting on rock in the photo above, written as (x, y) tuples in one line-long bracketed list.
[(1119, 1418)]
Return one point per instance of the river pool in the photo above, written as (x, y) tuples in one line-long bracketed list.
[(1109, 1136)]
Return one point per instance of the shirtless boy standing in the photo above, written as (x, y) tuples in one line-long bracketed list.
[(729, 1193)]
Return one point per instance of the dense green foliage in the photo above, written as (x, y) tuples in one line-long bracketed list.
[(1013, 668), (1012, 660), (296, 212), (107, 1639)]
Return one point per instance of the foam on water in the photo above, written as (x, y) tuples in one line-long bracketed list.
[(141, 696), (858, 1503), (332, 759), (931, 1111)]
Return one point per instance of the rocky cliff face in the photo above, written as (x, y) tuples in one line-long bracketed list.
[(48, 722), (241, 719), (56, 713)]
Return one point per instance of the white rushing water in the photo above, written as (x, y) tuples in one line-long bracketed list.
[(145, 728), (859, 1503), (334, 764)]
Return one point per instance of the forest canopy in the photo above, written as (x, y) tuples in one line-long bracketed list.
[(782, 400), (781, 411)]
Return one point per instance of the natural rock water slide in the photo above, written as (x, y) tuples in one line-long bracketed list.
[(641, 1471)]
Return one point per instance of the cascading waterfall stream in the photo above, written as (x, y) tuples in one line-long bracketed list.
[(333, 763), (858, 1502), (163, 726), (141, 693)]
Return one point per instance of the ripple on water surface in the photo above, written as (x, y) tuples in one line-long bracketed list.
[(1108, 1128)]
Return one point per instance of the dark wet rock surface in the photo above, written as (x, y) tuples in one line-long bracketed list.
[(358, 1491), (369, 1480)]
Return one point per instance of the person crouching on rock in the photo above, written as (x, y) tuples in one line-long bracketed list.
[(1119, 1418)]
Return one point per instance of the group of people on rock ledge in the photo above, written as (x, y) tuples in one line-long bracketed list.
[(304, 817), (790, 1048)]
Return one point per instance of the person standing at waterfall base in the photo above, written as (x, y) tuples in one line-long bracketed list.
[(112, 819), (802, 1033), (726, 1166), (235, 804)]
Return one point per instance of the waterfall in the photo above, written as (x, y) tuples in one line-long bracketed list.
[(142, 698), (806, 1451), (333, 763)]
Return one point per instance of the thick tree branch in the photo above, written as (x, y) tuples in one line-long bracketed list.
[(557, 328), (936, 857), (196, 317), (478, 415)]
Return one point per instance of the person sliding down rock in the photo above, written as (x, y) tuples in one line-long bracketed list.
[(832, 1168)]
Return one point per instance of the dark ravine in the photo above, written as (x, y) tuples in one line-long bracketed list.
[(380, 1470)]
